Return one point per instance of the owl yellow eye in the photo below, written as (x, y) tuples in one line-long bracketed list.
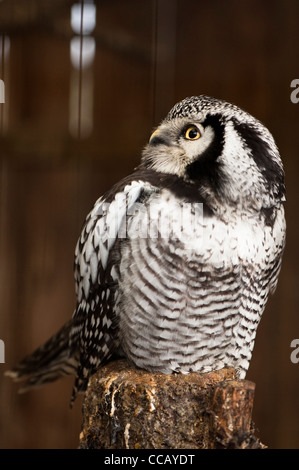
[(192, 133)]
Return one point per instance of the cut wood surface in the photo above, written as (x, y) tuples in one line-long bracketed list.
[(128, 408)]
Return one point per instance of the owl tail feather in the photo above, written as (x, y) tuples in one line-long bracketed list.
[(47, 363)]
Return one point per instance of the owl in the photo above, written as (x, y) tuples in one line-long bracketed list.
[(175, 263)]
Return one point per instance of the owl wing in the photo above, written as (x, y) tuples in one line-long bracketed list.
[(94, 331)]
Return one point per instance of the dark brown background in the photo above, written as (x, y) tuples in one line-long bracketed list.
[(149, 55)]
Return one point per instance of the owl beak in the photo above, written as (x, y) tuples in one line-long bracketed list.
[(157, 138)]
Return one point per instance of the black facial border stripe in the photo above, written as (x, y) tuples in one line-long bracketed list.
[(261, 154), (206, 166)]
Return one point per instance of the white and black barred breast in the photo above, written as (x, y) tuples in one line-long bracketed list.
[(191, 288)]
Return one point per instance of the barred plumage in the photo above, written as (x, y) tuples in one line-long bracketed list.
[(175, 263)]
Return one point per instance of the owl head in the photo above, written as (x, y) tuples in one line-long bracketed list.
[(223, 150)]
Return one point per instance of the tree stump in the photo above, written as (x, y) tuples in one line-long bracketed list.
[(128, 408)]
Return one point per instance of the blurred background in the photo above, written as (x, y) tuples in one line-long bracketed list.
[(81, 99)]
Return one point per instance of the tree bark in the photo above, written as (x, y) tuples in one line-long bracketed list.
[(128, 408)]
